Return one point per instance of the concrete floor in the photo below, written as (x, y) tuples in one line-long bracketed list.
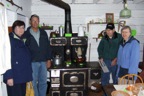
[(95, 94)]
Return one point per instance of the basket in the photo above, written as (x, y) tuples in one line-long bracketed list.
[(119, 93)]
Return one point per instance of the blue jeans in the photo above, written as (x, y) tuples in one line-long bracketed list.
[(39, 78), (106, 76)]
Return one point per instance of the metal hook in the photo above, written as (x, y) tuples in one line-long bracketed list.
[(1, 4), (11, 1)]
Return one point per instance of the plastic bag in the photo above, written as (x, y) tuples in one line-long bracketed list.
[(29, 89)]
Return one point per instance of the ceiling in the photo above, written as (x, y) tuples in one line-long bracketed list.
[(102, 1)]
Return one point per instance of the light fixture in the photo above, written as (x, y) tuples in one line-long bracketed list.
[(125, 13)]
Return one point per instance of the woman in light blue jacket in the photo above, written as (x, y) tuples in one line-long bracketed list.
[(128, 54)]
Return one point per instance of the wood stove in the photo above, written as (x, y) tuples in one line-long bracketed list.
[(74, 80)]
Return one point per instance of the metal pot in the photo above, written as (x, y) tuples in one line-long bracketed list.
[(57, 60)]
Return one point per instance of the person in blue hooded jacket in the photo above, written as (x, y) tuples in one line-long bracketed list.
[(128, 54), (21, 71)]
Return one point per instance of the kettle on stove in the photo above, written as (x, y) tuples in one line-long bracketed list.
[(79, 58), (57, 60)]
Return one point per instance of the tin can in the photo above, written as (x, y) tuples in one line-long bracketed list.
[(61, 31)]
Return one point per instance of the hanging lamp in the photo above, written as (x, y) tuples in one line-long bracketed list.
[(125, 13)]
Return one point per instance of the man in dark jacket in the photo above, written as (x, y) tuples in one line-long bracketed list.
[(107, 51), (39, 46)]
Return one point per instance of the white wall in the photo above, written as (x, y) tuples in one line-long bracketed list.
[(25, 4), (12, 11), (83, 13), (52, 15)]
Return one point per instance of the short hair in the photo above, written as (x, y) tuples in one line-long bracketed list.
[(126, 27), (34, 15), (18, 23)]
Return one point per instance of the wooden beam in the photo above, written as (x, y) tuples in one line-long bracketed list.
[(67, 1), (73, 1), (117, 1), (83, 1), (105, 1), (96, 1), (138, 1)]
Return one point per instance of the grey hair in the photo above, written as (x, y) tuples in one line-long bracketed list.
[(34, 15), (126, 27)]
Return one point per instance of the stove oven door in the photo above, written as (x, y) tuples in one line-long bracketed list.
[(76, 79)]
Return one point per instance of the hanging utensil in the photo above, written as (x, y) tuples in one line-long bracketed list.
[(121, 24), (1, 4)]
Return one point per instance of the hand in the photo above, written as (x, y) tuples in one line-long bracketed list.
[(48, 64), (10, 82), (101, 60), (114, 61)]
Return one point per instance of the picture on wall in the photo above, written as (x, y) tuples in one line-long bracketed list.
[(109, 18)]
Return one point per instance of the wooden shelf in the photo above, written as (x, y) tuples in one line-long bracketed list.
[(47, 27), (96, 23), (100, 23)]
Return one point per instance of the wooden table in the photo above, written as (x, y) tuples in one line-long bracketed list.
[(108, 89)]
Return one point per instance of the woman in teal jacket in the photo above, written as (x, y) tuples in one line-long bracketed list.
[(128, 54)]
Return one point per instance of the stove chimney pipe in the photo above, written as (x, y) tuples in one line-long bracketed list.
[(66, 7)]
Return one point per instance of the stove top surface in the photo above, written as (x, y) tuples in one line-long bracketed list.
[(75, 65)]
